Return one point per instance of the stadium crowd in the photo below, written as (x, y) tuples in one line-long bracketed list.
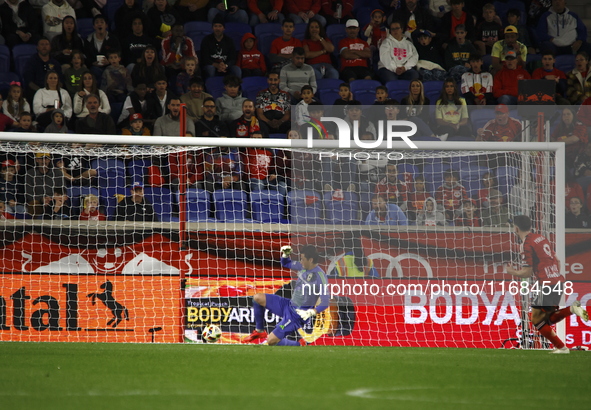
[(242, 68)]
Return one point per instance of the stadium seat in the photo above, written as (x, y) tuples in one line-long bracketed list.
[(473, 172), (502, 7), (472, 187), (480, 117), (84, 27), (327, 97), (410, 169), (215, 86), (506, 177), (162, 201), (486, 61), (198, 27), (565, 62), (5, 80), (365, 90), (363, 16), (21, 54), (235, 31), (110, 9), (300, 31), (341, 209), (136, 169), (265, 34), (398, 89), (370, 4), (4, 59), (304, 207), (230, 205), (116, 108), (336, 32), (277, 136), (433, 173), (197, 39), (198, 205), (268, 206), (460, 138), (433, 90), (251, 86)]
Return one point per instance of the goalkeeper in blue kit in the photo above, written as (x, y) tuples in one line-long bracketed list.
[(309, 297)]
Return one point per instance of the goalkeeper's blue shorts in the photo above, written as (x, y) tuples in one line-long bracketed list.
[(282, 307)]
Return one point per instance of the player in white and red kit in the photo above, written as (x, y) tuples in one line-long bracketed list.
[(540, 261)]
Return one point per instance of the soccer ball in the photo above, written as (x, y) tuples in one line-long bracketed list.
[(211, 333)]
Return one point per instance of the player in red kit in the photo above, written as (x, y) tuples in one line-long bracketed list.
[(540, 261)]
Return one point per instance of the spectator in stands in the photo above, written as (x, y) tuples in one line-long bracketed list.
[(124, 16), (183, 79), (162, 17), (384, 213), (477, 85), (345, 94), (192, 10), (134, 44), (394, 190), (375, 31), (417, 198), (98, 44), (159, 99), (148, 69), (438, 8), (353, 113), (250, 60), (40, 181), (229, 105), (549, 72), (505, 88), (37, 67), (497, 214), (218, 53), (336, 11), (68, 42), (88, 86), (15, 103), (302, 114), (209, 125), (135, 207), (273, 107), (297, 74), (572, 132), (416, 102), (57, 207), (488, 31), (58, 122), (247, 124), (46, 98), (451, 113), (451, 194), (282, 47), (576, 217), (469, 215), (502, 48), (414, 18), (195, 98), (261, 169), (137, 102), (223, 169), (457, 54), (91, 210), (398, 56), (10, 191), (175, 47), (579, 80), (95, 122), (456, 16), (6, 122), (136, 126), (355, 54), (562, 31), (304, 10), (371, 168), (430, 215), (513, 19), (431, 62), (19, 23), (116, 80), (73, 74), (488, 183), (265, 12), (170, 124), (582, 167), (25, 123), (235, 12), (571, 188), (318, 49), (502, 128), (53, 14)]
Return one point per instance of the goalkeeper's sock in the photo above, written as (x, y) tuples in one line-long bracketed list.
[(285, 342), (560, 315), (259, 315), (547, 331)]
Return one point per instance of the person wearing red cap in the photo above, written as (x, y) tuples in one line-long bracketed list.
[(502, 128), (136, 126), (505, 87)]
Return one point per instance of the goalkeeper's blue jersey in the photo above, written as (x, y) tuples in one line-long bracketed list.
[(311, 287)]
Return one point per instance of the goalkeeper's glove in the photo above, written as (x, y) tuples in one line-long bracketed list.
[(306, 314), (285, 251)]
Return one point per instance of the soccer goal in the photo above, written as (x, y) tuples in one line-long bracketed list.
[(151, 243)]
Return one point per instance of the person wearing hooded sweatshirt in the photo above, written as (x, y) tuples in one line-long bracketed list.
[(58, 124), (429, 215), (229, 105), (384, 213), (250, 60), (398, 56), (562, 31)]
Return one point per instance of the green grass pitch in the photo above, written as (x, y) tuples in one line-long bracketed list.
[(151, 376)]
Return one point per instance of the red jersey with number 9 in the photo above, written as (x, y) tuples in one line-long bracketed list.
[(537, 253)]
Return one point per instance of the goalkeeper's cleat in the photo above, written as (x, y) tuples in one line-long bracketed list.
[(303, 342), (562, 350), (254, 336), (578, 310)]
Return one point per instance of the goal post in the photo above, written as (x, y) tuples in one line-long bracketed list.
[(118, 280)]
